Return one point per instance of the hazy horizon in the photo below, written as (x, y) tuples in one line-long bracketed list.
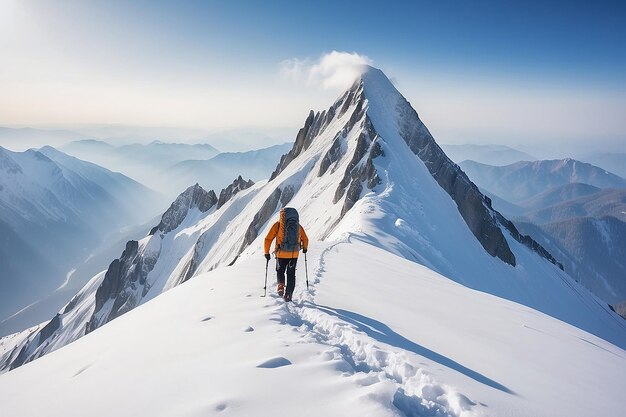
[(475, 74), (250, 138)]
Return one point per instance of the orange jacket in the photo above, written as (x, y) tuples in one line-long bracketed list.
[(273, 233)]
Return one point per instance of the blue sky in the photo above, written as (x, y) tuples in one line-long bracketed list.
[(474, 70)]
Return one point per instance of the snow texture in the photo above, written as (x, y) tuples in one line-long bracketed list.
[(352, 345)]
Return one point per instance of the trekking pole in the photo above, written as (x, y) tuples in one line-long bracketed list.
[(267, 262), (306, 270)]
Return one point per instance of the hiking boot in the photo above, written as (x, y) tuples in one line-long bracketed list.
[(281, 289), (287, 297)]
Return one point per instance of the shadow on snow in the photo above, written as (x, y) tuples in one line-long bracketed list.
[(381, 332)]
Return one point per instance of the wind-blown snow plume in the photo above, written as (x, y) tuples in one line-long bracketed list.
[(333, 70)]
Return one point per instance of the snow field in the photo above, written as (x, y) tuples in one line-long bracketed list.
[(376, 335)]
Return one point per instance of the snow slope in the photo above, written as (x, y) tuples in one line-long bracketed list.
[(376, 335)]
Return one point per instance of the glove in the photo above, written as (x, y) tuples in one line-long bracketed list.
[(267, 256), (304, 250)]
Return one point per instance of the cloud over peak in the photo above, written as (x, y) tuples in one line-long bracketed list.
[(332, 70)]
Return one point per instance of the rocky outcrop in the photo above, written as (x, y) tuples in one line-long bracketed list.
[(474, 207), (49, 329), (469, 200), (288, 192), (193, 197), (261, 217), (525, 239), (28, 351), (361, 168), (124, 285), (278, 198), (619, 308), (227, 193), (316, 123), (333, 155)]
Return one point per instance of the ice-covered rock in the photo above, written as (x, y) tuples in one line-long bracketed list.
[(194, 196), (228, 192)]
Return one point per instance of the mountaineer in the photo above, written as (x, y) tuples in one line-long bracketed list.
[(290, 238)]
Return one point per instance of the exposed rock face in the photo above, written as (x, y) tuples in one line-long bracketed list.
[(278, 198), (21, 358), (525, 239), (304, 136), (124, 284), (620, 308), (288, 192), (361, 168), (315, 124), (484, 222), (194, 196), (469, 200), (26, 354), (49, 329), (227, 193), (334, 154), (261, 217)]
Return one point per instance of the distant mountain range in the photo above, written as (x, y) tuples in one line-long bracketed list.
[(611, 161), (523, 180), (610, 202), (172, 167), (16, 138), (55, 209), (576, 210), (486, 154), (144, 163), (592, 250), (217, 172)]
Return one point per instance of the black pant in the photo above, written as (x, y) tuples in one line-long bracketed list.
[(288, 264)]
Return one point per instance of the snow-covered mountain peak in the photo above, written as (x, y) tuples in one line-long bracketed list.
[(38, 155), (193, 197), (237, 185), (370, 126), (7, 163), (377, 87)]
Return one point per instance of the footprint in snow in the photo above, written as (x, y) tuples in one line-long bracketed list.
[(249, 329), (274, 363), (207, 318)]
